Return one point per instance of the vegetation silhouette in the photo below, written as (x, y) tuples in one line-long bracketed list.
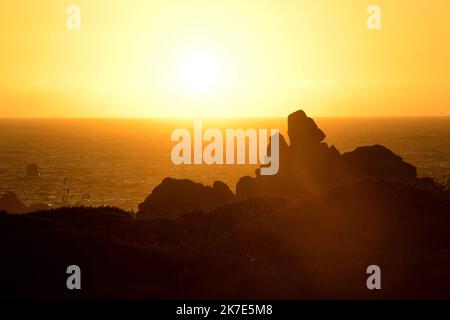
[(308, 232)]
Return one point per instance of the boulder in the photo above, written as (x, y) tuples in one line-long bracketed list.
[(172, 197), (307, 166), (378, 162), (302, 130)]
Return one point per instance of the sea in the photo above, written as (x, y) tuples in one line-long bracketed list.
[(117, 162)]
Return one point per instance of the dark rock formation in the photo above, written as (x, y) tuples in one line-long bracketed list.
[(303, 131), (173, 197), (378, 162), (308, 166), (10, 202)]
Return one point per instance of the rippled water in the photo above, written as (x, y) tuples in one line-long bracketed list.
[(118, 161)]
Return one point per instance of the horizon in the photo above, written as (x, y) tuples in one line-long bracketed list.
[(226, 118)]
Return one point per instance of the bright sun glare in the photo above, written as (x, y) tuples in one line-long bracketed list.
[(200, 72)]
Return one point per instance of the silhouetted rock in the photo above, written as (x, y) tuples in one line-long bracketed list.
[(247, 187), (378, 162), (174, 196), (11, 203), (302, 130), (308, 166), (33, 170)]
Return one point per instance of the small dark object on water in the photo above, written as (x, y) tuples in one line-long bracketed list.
[(33, 170)]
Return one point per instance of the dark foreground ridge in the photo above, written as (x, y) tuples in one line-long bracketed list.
[(309, 232)]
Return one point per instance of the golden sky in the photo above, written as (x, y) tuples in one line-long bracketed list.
[(168, 58)]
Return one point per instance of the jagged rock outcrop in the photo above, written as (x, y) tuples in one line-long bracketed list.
[(308, 166), (303, 131), (176, 196)]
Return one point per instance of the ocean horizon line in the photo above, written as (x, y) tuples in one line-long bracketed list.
[(228, 118)]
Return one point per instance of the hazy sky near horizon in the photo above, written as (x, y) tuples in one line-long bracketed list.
[(183, 58)]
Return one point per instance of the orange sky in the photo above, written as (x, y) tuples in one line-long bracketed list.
[(134, 58)]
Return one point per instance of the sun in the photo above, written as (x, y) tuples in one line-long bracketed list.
[(200, 71)]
